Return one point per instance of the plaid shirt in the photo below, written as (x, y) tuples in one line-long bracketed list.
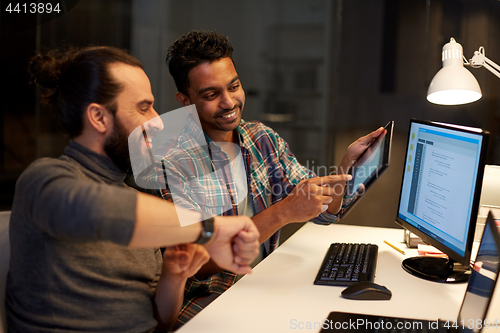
[(272, 173)]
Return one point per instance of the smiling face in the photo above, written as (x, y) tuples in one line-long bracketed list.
[(134, 109), (216, 90)]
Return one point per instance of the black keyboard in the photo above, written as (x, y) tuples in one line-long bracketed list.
[(348, 263)]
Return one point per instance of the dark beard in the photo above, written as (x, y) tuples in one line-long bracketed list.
[(116, 147)]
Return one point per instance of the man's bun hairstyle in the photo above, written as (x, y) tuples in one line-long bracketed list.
[(73, 78)]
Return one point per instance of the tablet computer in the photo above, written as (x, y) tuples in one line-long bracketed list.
[(371, 164)]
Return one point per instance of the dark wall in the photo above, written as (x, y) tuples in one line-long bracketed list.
[(26, 132)]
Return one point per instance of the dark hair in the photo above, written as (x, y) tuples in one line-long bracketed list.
[(192, 49), (72, 79)]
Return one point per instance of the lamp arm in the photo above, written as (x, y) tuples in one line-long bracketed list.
[(479, 60)]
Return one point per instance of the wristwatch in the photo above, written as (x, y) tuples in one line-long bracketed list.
[(207, 232)]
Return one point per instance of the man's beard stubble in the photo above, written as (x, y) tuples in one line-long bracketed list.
[(116, 147)]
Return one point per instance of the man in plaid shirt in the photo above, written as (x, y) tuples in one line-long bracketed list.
[(222, 165)]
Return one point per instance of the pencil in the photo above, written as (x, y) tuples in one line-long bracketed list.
[(395, 248)]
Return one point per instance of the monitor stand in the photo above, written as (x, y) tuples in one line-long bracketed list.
[(436, 269)]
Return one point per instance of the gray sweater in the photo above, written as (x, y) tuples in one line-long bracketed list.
[(70, 269)]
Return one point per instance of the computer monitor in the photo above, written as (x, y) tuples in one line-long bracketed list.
[(440, 193)]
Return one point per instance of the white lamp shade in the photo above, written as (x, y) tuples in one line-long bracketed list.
[(453, 84)]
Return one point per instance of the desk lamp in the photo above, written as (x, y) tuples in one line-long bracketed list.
[(454, 84)]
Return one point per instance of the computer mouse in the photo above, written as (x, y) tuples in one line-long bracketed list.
[(367, 291)]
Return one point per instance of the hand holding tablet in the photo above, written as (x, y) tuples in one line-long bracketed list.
[(370, 165)]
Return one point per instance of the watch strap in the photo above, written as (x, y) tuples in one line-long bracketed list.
[(207, 231)]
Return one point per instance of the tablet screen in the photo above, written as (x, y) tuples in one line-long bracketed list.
[(372, 163)]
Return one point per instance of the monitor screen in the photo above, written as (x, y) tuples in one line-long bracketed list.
[(483, 280), (441, 185)]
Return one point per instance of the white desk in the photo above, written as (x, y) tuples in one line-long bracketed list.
[(279, 296)]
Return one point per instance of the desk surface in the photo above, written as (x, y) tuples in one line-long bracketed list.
[(279, 296)]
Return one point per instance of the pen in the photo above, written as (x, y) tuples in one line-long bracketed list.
[(395, 248)]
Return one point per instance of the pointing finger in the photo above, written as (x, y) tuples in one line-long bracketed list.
[(330, 180)]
